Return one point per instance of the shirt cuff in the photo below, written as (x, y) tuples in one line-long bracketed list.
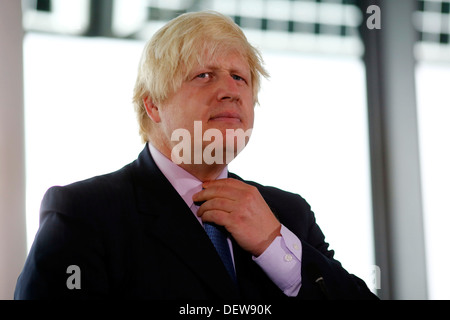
[(281, 261)]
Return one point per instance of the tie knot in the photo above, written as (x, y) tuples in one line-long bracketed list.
[(199, 203)]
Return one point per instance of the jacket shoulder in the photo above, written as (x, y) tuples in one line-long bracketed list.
[(96, 194)]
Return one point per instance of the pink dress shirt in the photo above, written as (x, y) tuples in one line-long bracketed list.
[(281, 261)]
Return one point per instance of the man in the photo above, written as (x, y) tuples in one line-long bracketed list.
[(175, 223)]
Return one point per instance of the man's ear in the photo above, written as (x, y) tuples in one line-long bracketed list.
[(152, 109)]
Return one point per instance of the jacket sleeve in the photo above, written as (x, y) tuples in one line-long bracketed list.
[(323, 277)]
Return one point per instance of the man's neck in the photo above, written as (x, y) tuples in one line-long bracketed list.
[(203, 172)]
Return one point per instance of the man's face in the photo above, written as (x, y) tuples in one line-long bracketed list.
[(218, 93)]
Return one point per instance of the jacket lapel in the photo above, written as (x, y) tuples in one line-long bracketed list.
[(166, 216)]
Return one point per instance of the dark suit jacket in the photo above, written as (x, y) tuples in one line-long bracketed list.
[(132, 236)]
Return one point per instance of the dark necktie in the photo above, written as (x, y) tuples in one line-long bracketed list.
[(218, 236)]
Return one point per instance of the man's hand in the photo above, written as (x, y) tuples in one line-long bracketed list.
[(241, 209)]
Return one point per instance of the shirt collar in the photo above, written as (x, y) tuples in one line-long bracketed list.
[(184, 183)]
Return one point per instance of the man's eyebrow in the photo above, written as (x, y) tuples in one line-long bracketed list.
[(242, 71)]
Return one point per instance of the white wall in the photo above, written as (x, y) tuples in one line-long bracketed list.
[(434, 132), (12, 162)]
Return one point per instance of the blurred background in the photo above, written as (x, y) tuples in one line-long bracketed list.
[(354, 118)]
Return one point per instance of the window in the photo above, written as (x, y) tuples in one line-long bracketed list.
[(56, 16), (433, 76)]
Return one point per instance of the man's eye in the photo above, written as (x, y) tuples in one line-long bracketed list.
[(236, 77), (203, 75)]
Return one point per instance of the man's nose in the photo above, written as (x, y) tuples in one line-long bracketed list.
[(227, 88)]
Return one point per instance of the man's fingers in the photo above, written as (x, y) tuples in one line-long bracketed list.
[(218, 217), (242, 210), (222, 204), (224, 188)]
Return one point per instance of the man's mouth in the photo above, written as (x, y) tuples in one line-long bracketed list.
[(226, 116)]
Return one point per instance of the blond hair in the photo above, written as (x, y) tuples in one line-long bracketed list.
[(171, 53)]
